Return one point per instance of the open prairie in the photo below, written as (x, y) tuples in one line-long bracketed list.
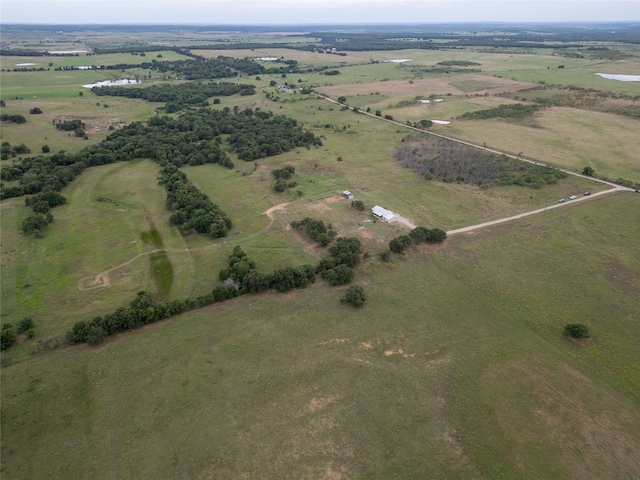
[(456, 366)]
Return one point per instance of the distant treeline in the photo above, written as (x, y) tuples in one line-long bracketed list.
[(177, 97), (447, 161), (516, 110)]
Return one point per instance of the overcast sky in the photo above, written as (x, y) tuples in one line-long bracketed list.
[(314, 11)]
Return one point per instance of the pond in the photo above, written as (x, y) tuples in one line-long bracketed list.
[(620, 78), (113, 83)]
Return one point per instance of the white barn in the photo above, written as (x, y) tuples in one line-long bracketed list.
[(383, 214)]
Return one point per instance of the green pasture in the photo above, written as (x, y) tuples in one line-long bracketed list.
[(99, 231), (40, 130), (455, 368)]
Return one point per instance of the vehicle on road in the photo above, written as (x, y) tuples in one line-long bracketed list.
[(572, 197), (561, 200), (587, 193)]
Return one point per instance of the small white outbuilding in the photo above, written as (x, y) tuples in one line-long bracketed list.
[(383, 214)]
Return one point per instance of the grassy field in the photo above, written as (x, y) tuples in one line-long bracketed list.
[(456, 366), (462, 374)]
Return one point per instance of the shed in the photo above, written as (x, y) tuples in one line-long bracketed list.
[(383, 214)]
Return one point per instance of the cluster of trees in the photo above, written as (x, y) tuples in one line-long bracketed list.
[(177, 97), (416, 236), (36, 223), (440, 159), (193, 138), (245, 278), (282, 177), (239, 277), (77, 126), (7, 150), (316, 230), (190, 207), (36, 174), (337, 267), (258, 137), (9, 333), (15, 118), (140, 311), (200, 69), (516, 110)]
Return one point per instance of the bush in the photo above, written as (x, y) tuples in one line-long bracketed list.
[(398, 244), (25, 324), (96, 335), (354, 296), (576, 330), (358, 205), (8, 336), (339, 275)]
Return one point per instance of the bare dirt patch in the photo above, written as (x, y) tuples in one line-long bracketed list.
[(366, 346), (91, 283), (400, 351), (317, 404), (334, 341)]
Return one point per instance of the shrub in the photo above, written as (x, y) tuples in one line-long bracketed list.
[(354, 296), (96, 335), (358, 205), (25, 324), (339, 275), (8, 336), (576, 330), (399, 244)]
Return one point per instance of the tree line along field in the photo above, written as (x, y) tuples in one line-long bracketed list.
[(456, 364)]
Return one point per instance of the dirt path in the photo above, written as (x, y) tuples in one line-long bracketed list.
[(533, 212), (102, 279)]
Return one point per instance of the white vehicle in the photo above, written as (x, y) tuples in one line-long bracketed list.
[(561, 200), (573, 197)]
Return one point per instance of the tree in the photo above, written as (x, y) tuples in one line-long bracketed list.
[(342, 99), (588, 171), (25, 324), (45, 149), (35, 111), (355, 296), (426, 123), (8, 336), (358, 205), (576, 330), (35, 224), (398, 244)]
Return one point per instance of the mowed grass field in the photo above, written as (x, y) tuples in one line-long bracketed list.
[(455, 368)]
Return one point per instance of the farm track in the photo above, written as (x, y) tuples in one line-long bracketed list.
[(102, 279)]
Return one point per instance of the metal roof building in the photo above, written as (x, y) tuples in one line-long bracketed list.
[(384, 214)]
